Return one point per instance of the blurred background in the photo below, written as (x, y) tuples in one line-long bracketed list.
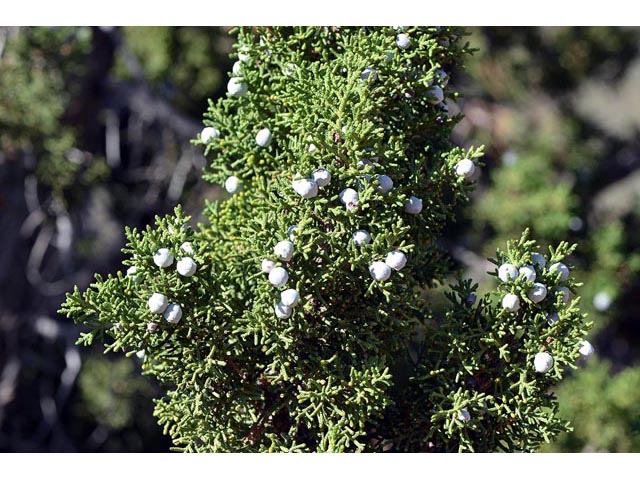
[(95, 130)]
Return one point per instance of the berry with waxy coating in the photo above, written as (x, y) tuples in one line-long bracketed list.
[(537, 293), (565, 294), (369, 74), (187, 247), (511, 302), (542, 362), (435, 95), (232, 184), (282, 311), (267, 265), (237, 87), (361, 237), (561, 268), (173, 313), (349, 197), (465, 168), (263, 137), (403, 41), (538, 260), (586, 349), (290, 297), (305, 187), (157, 303), (528, 273), (322, 177), (278, 277), (464, 415), (163, 258), (396, 260), (380, 271), (385, 183), (208, 134), (284, 250), (186, 266), (507, 272), (413, 205)]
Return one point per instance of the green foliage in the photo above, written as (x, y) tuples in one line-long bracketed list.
[(182, 62), (604, 408), (360, 364), (108, 390), (524, 194), (554, 153), (40, 77)]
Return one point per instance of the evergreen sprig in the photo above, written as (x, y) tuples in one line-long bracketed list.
[(358, 363)]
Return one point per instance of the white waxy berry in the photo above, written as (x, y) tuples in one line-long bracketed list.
[(282, 311), (369, 74), (131, 272), (601, 300), (237, 87), (362, 164), (267, 265), (284, 250), (291, 232), (402, 40), (290, 298), (278, 277), (158, 303), (538, 260), (349, 197), (152, 327), (322, 177), (173, 313), (396, 260), (538, 293), (413, 205), (208, 134), (475, 176), (237, 68), (586, 349), (187, 247), (553, 318), (385, 183), (263, 137), (243, 54), (542, 362), (232, 184), (305, 188), (163, 258), (380, 271), (464, 415), (564, 291), (435, 94), (528, 273), (465, 168), (442, 77), (361, 237), (186, 266), (507, 272), (140, 354), (312, 148), (511, 302), (560, 268), (289, 69)]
